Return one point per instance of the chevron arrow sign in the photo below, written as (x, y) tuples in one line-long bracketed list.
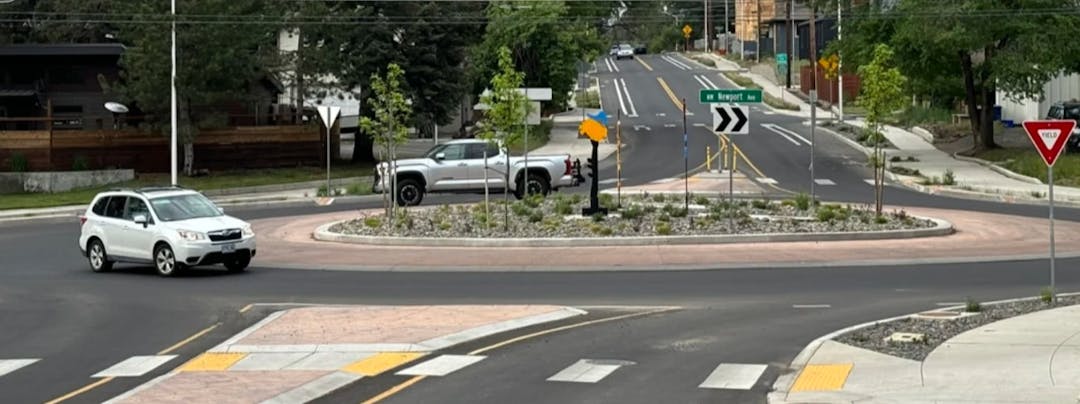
[(731, 119)]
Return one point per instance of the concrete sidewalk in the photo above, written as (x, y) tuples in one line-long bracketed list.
[(1031, 358), (974, 178), (301, 354)]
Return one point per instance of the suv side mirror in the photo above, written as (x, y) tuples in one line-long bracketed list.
[(141, 219), (440, 156)]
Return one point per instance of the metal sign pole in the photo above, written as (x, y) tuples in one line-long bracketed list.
[(328, 192), (686, 158), (618, 159), (813, 127), (1050, 177), (731, 184)]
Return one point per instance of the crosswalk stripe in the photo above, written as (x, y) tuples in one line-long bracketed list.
[(824, 181), (11, 365), (134, 366), (588, 371), (442, 366), (766, 180), (734, 376)]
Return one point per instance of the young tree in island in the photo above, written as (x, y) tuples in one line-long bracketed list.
[(389, 127), (504, 121), (882, 93)]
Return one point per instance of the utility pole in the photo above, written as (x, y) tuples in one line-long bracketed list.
[(708, 38), (790, 40), (727, 26), (757, 34)]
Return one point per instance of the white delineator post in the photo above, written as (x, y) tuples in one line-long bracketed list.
[(840, 61)]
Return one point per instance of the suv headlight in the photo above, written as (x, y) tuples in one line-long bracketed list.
[(247, 231), (191, 235)]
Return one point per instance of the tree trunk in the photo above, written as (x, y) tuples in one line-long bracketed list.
[(986, 124), (363, 143), (970, 99), (506, 192)]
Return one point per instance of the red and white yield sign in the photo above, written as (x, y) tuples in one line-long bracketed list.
[(1049, 137)]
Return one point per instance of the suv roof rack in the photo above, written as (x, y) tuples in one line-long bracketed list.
[(161, 188)]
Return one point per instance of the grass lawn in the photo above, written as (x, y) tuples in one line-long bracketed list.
[(1029, 163), (217, 180)]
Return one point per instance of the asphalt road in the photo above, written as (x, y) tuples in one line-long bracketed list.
[(78, 323)]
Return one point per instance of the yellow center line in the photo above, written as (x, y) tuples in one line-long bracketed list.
[(396, 389), (670, 94), (188, 339), (246, 308), (753, 166), (81, 390), (642, 61)]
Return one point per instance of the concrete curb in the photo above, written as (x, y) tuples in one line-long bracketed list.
[(999, 169), (675, 268), (986, 196), (323, 233), (782, 387)]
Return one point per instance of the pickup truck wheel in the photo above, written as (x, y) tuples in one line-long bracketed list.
[(536, 185), (410, 193)]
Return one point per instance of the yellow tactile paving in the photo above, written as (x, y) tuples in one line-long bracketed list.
[(212, 362), (381, 362), (822, 377)]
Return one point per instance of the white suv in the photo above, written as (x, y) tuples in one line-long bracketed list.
[(172, 228)]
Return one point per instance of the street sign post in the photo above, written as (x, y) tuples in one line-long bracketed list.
[(731, 119), (726, 95), (686, 30), (329, 116), (1049, 138)]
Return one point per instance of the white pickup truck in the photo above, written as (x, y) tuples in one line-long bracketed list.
[(458, 167)]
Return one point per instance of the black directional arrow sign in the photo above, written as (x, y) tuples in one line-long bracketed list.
[(731, 119)]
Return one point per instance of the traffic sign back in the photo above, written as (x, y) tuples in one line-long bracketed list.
[(1049, 137)]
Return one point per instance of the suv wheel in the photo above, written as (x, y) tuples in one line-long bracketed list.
[(238, 264), (409, 192), (165, 261), (99, 259)]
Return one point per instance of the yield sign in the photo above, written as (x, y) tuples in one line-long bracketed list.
[(1049, 137), (730, 119), (329, 115)]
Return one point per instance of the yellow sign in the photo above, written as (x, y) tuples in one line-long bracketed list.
[(596, 131), (686, 30), (830, 64)]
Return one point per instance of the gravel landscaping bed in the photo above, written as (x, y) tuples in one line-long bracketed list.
[(559, 216), (938, 331)]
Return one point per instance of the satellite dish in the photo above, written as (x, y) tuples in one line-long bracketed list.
[(116, 107)]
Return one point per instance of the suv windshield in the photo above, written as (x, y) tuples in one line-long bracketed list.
[(184, 207)]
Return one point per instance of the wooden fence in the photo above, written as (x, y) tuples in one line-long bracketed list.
[(231, 148)]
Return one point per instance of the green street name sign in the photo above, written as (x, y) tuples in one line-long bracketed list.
[(738, 96)]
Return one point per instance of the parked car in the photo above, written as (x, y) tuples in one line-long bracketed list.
[(172, 228), (640, 49), (458, 167), (625, 51), (614, 50), (1068, 110)]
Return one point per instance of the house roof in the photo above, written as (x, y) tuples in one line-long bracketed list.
[(73, 49)]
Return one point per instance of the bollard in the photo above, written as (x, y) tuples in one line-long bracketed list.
[(708, 158)]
